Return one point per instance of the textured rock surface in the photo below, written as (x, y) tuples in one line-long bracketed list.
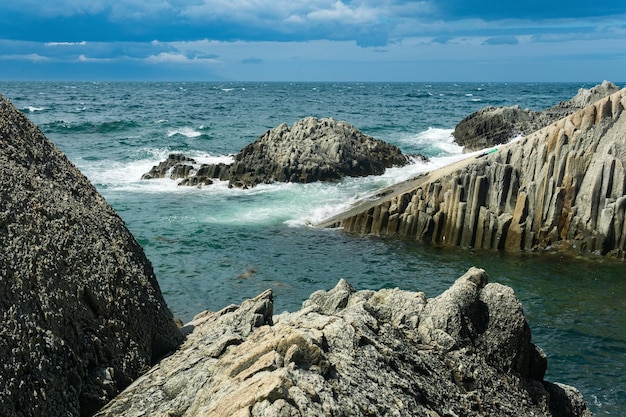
[(310, 150), (494, 126), (563, 186), (466, 352), (81, 310)]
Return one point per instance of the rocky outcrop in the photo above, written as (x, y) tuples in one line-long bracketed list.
[(310, 150), (467, 352), (493, 126), (82, 313), (563, 187)]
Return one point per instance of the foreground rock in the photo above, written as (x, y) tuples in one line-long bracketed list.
[(497, 125), (562, 187), (310, 150), (467, 352), (81, 310)]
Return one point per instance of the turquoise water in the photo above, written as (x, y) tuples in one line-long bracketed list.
[(214, 246)]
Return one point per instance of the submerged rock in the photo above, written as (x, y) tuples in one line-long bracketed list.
[(81, 310), (493, 126), (467, 352), (310, 150)]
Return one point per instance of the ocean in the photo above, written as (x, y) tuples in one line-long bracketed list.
[(214, 246)]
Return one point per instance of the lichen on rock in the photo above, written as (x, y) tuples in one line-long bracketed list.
[(81, 310)]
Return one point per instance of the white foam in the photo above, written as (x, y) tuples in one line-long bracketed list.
[(32, 109), (435, 141), (184, 131)]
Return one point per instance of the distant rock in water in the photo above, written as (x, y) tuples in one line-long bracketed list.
[(467, 352), (81, 310), (310, 150), (497, 125)]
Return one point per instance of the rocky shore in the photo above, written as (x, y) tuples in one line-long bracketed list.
[(561, 188), (493, 126), (311, 150), (466, 352), (85, 329)]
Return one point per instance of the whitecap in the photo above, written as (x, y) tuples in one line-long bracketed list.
[(184, 131), (32, 109), (431, 142)]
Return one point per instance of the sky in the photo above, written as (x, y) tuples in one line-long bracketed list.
[(314, 40)]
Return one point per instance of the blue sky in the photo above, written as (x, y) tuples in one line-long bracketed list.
[(306, 40)]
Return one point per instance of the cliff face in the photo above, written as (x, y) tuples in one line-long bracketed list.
[(81, 311), (563, 186), (467, 352)]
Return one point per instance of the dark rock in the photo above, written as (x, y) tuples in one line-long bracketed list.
[(175, 166), (310, 150), (81, 310), (466, 352), (493, 126)]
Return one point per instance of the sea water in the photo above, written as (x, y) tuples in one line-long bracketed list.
[(213, 246)]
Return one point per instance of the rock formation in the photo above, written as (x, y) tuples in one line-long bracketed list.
[(82, 313), (467, 352), (494, 126), (563, 186), (310, 150)]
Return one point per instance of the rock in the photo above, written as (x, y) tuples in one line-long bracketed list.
[(466, 352), (310, 150), (493, 126), (560, 188), (81, 310), (175, 166)]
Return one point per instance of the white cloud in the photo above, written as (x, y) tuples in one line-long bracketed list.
[(82, 43), (178, 58)]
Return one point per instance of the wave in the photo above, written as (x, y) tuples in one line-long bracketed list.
[(91, 127), (184, 131), (33, 109), (433, 142), (126, 175)]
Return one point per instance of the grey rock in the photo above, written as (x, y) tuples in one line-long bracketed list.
[(81, 310), (560, 188), (493, 126), (310, 150), (357, 353)]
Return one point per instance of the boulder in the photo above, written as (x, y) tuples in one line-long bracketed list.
[(310, 150), (81, 310), (493, 126), (467, 352)]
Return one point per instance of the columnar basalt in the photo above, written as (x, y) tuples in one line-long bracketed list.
[(563, 186)]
